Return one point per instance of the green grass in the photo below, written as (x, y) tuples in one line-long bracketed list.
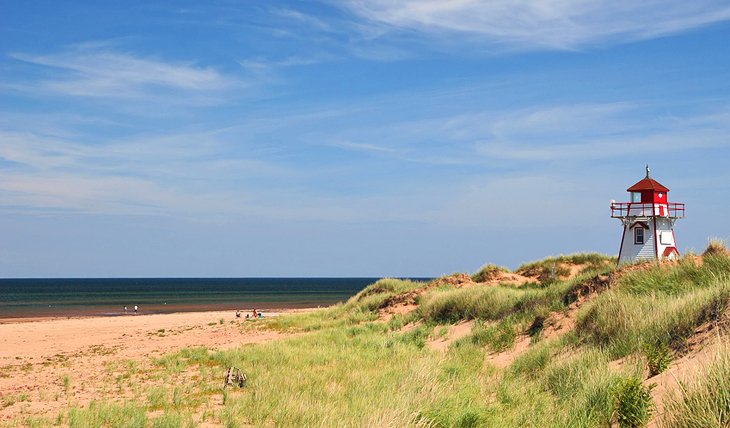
[(10, 399), (66, 381), (495, 336), (659, 304), (346, 367), (337, 374), (469, 303), (358, 309), (488, 272), (553, 269), (105, 414)]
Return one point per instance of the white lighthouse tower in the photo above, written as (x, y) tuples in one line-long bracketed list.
[(648, 222)]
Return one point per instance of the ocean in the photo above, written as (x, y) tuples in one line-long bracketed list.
[(21, 298)]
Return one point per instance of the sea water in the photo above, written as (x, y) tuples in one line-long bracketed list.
[(107, 297)]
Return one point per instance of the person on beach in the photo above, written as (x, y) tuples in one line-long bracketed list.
[(135, 309), (254, 313), (125, 310), (238, 314)]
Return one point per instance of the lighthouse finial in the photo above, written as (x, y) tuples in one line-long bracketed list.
[(647, 171)]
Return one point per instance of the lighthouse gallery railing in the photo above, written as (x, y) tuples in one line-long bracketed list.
[(622, 209)]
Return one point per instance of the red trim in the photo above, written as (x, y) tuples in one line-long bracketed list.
[(668, 251), (675, 242), (639, 223)]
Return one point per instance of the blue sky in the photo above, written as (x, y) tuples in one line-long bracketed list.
[(350, 138)]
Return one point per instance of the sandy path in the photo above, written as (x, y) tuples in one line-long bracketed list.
[(37, 355)]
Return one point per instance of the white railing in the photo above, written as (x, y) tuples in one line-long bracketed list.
[(625, 209)]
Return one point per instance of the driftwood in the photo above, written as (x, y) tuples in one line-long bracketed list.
[(235, 376)]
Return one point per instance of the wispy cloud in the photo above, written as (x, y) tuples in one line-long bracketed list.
[(96, 71), (312, 39), (182, 174), (554, 24), (598, 131), (303, 18), (362, 147), (561, 132)]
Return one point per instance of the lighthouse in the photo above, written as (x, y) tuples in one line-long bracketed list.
[(648, 222)]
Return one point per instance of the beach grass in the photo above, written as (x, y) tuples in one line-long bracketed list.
[(488, 272), (346, 365)]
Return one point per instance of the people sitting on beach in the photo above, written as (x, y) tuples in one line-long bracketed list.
[(261, 315), (248, 316), (238, 314)]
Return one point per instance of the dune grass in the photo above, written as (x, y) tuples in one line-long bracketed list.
[(552, 269), (488, 272), (659, 304), (346, 367), (358, 309)]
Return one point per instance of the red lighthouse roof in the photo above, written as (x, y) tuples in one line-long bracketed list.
[(647, 183)]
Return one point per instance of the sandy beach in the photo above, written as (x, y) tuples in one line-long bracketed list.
[(47, 363)]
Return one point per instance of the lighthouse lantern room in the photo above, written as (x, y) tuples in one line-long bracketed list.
[(648, 222)]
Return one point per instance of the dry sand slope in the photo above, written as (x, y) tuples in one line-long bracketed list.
[(45, 364)]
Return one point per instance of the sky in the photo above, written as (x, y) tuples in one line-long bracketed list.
[(350, 137)]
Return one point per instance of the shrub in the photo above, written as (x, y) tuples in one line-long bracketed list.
[(633, 404), (658, 356)]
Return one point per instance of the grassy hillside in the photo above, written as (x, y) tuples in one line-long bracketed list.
[(569, 341)]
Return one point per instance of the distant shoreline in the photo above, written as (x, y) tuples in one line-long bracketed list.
[(84, 313), (107, 297)]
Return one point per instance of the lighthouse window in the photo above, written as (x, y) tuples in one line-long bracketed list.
[(638, 235), (635, 196)]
